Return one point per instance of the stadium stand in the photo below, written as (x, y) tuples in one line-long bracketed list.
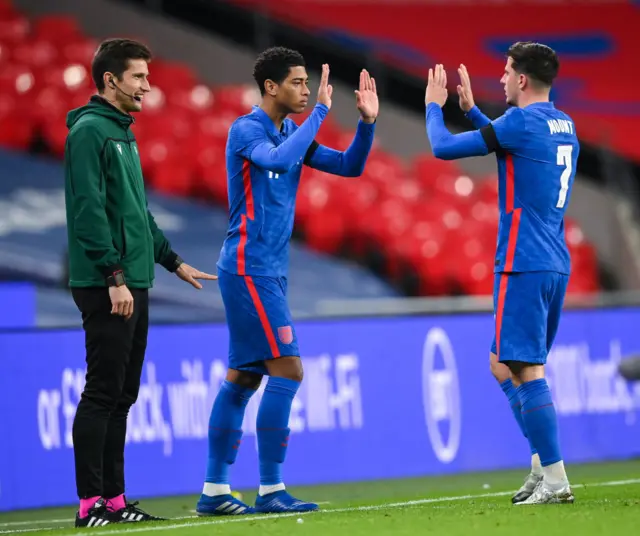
[(589, 39), (33, 244), (422, 224)]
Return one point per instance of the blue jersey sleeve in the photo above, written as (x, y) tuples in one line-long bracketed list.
[(244, 136), (447, 146), (476, 117), (349, 163), (251, 141), (510, 129)]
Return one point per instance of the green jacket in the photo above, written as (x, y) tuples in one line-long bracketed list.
[(109, 225)]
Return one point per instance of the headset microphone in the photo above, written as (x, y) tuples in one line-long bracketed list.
[(115, 86)]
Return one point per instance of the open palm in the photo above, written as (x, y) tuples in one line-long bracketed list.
[(367, 98)]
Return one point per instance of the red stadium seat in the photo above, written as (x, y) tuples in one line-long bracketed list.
[(487, 190), (154, 153), (207, 156), (213, 183), (78, 50), (155, 101), (383, 167), (175, 124), (214, 124), (54, 132), (427, 169), (69, 77), (56, 28), (478, 279), (39, 53), (174, 178), (169, 74), (5, 54), (424, 220), (14, 28), (325, 230), (80, 97), (584, 274), (17, 80), (6, 8), (196, 99), (329, 133), (16, 131), (50, 105), (236, 99)]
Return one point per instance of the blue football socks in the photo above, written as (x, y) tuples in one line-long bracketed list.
[(273, 428), (540, 420), (225, 431), (514, 402)]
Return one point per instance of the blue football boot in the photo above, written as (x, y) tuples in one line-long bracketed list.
[(281, 502), (222, 505)]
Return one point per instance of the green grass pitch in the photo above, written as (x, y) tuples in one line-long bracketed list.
[(607, 502)]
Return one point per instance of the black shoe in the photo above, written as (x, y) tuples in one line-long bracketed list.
[(98, 516), (132, 514)]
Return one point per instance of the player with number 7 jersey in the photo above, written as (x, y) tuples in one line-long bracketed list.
[(537, 151)]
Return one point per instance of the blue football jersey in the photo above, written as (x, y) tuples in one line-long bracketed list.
[(261, 201), (537, 168)]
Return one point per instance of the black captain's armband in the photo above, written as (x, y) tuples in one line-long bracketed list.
[(312, 149), (490, 138)]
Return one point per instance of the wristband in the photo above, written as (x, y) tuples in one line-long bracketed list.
[(116, 279), (172, 262)]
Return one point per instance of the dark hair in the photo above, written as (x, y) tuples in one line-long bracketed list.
[(537, 61), (274, 64), (113, 56)]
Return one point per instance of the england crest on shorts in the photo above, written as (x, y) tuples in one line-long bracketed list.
[(285, 334)]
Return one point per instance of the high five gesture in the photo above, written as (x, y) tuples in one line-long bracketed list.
[(325, 90), (464, 90), (437, 86), (367, 98)]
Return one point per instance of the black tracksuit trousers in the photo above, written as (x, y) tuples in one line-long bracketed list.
[(115, 350)]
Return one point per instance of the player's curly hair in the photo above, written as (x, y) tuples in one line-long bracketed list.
[(113, 56), (536, 60), (274, 64)]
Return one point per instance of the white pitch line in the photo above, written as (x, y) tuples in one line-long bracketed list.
[(35, 522), (239, 519)]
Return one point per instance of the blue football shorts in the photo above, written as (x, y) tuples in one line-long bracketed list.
[(527, 309), (259, 320)]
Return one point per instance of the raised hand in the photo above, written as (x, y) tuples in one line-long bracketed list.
[(464, 90), (367, 98), (437, 86), (325, 90)]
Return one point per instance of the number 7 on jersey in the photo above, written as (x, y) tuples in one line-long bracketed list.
[(564, 159)]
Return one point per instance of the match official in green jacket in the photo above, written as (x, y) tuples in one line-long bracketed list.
[(114, 244)]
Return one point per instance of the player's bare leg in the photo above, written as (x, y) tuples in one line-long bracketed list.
[(273, 436), (509, 384), (225, 432), (540, 420)]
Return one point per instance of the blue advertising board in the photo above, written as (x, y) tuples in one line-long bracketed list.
[(19, 305), (382, 398)]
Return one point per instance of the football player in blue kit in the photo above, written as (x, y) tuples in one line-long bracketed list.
[(265, 155), (537, 151)]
